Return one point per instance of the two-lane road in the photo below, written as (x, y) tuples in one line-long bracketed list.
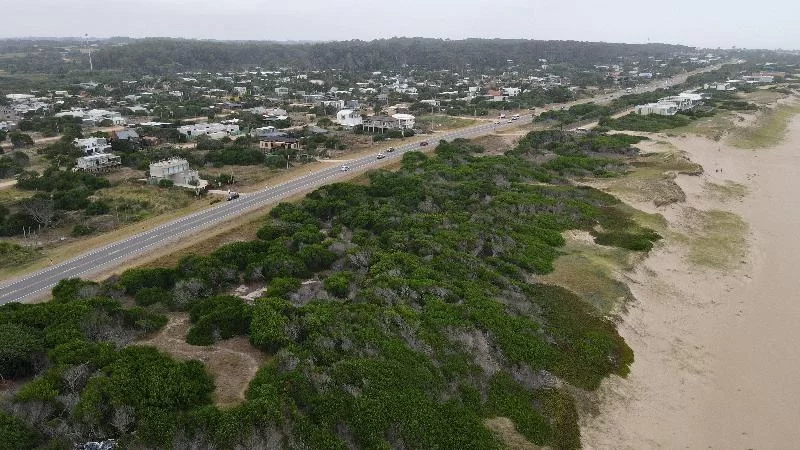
[(37, 284)]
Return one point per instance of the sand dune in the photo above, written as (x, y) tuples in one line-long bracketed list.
[(717, 355)]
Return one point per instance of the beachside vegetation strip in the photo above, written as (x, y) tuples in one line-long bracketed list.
[(425, 324)]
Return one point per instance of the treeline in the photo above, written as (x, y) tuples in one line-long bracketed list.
[(397, 313), (175, 55)]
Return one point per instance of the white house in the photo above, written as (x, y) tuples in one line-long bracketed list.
[(176, 170), (92, 146), (404, 120), (208, 129), (662, 109), (348, 118), (97, 163)]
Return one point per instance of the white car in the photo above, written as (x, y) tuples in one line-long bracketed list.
[(380, 156), (344, 168), (496, 122)]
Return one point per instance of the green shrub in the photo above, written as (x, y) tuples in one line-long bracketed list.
[(268, 327), (338, 284), (82, 230), (19, 346)]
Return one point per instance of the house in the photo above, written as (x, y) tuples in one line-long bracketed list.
[(100, 162), (176, 170), (348, 118), (278, 141), (212, 130), (281, 91), (380, 123), (262, 131), (405, 121), (9, 114), (125, 135), (758, 78), (662, 109), (92, 146), (680, 102)]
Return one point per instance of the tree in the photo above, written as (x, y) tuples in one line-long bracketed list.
[(20, 139), (41, 209)]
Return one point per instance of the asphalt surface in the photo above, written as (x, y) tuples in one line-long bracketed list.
[(37, 284)]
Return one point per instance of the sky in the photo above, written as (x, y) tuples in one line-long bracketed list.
[(697, 23)]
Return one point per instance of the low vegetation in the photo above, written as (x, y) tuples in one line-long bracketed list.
[(652, 176), (423, 327), (650, 123), (768, 130), (716, 238)]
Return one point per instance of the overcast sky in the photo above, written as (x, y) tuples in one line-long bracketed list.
[(700, 23)]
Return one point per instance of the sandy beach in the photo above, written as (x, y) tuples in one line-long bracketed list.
[(717, 359)]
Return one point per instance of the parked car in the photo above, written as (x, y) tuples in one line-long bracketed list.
[(232, 195), (390, 149), (381, 156), (423, 143)]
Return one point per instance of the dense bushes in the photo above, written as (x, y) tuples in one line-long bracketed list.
[(20, 347), (651, 123), (218, 318), (427, 324)]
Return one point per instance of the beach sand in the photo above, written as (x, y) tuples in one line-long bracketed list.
[(717, 349)]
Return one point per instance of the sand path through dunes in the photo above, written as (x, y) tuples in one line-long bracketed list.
[(717, 354)]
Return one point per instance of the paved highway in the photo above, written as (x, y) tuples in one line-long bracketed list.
[(37, 284)]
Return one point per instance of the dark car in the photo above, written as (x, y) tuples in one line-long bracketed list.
[(233, 195), (423, 143)]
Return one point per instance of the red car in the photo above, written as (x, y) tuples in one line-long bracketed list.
[(423, 143)]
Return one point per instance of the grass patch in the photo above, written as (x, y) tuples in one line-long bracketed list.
[(12, 255), (588, 270), (504, 428), (763, 96), (439, 122), (713, 127), (729, 190), (136, 202), (652, 178), (768, 130), (717, 238)]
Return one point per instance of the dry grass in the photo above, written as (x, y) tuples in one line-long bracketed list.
[(496, 144), (713, 127), (768, 130), (652, 178), (762, 97), (441, 122), (725, 192), (504, 428), (716, 238), (233, 362)]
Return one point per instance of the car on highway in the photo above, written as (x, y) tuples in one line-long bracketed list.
[(496, 122), (380, 156), (390, 150), (232, 195), (344, 168), (423, 143), (509, 121)]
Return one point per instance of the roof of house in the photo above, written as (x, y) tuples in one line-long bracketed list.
[(126, 134)]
